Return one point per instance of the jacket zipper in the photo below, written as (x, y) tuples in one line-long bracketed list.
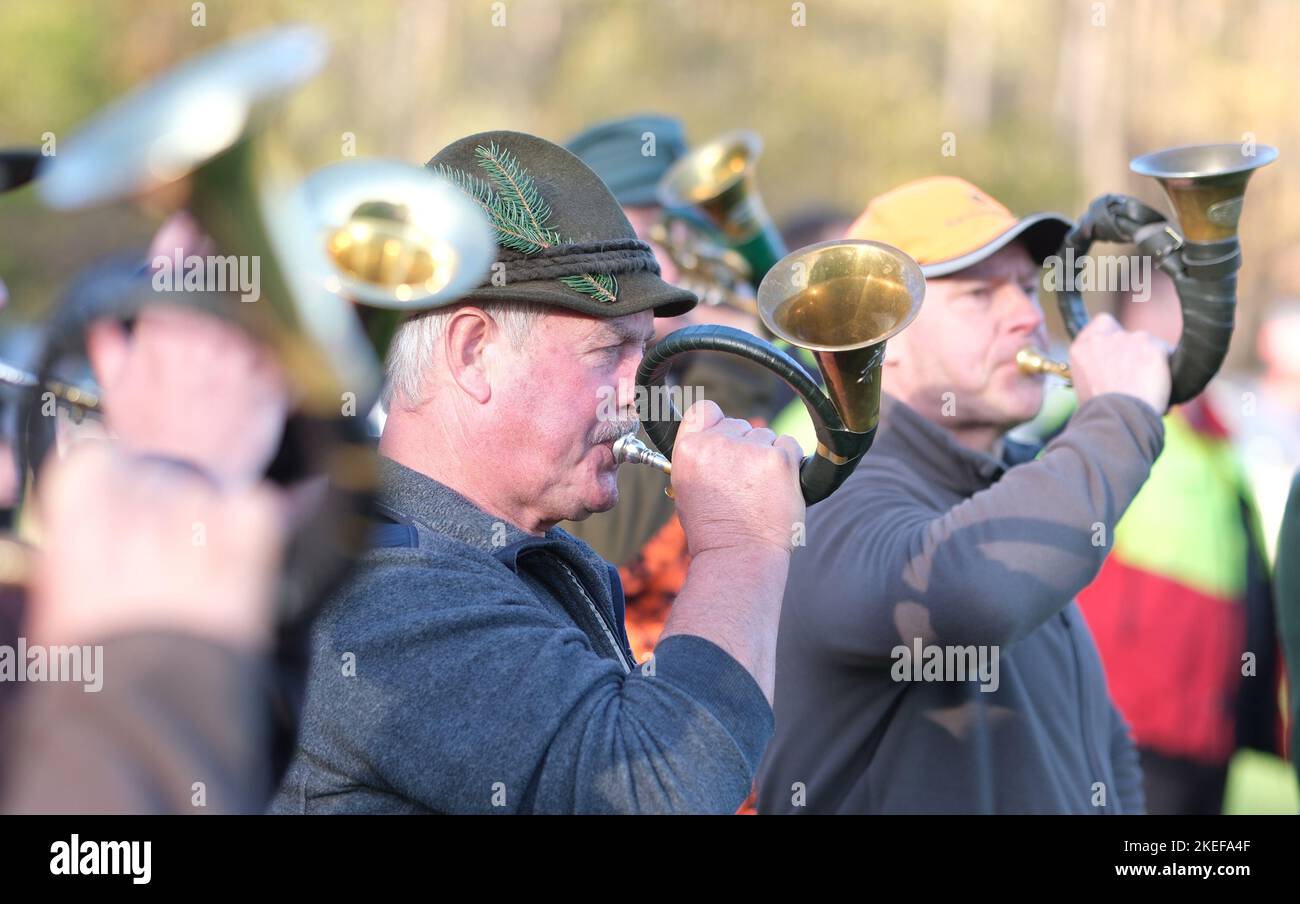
[(610, 634), (1084, 715)]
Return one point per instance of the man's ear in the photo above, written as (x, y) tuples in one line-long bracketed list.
[(465, 345)]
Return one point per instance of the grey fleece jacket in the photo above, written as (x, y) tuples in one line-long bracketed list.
[(469, 667), (933, 544)]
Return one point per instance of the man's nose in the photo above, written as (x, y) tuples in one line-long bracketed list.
[(626, 389), (1024, 315)]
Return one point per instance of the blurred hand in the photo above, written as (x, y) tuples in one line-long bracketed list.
[(735, 486), (187, 385), (1105, 357), (138, 545)]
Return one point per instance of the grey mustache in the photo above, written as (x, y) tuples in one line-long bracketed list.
[(612, 431)]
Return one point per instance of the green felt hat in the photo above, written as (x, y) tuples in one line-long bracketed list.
[(562, 238)]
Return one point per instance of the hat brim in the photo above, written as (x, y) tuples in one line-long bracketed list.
[(1042, 233), (638, 291)]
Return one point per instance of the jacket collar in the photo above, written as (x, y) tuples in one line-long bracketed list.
[(932, 452), (440, 508), (417, 497), (410, 496)]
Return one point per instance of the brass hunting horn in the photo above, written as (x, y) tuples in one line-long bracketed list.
[(730, 239), (343, 255), (1206, 185), (839, 300)]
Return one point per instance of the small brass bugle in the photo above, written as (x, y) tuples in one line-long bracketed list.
[(715, 186), (726, 237), (1032, 361)]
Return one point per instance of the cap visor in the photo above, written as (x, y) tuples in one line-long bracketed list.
[(1042, 234)]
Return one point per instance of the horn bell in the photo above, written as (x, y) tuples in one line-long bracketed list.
[(1205, 184), (841, 300), (718, 180), (396, 235), (715, 184)]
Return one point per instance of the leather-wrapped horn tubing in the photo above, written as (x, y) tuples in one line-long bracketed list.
[(838, 451), (1204, 275)]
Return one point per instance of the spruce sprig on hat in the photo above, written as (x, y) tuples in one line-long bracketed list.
[(519, 213)]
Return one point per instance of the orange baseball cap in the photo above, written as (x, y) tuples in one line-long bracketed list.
[(946, 224)]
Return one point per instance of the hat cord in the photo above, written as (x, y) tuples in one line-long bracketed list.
[(577, 258)]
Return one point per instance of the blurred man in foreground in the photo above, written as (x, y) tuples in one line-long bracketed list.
[(931, 657), (477, 662), (180, 721)]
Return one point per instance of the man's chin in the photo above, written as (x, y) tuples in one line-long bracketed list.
[(1021, 399), (606, 498), (601, 499), (1023, 408)]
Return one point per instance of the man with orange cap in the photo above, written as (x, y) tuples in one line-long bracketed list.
[(931, 657)]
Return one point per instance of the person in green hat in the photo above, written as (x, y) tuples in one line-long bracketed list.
[(477, 661)]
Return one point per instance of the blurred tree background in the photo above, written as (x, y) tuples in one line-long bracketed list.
[(1044, 100)]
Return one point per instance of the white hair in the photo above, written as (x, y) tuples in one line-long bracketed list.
[(416, 343)]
